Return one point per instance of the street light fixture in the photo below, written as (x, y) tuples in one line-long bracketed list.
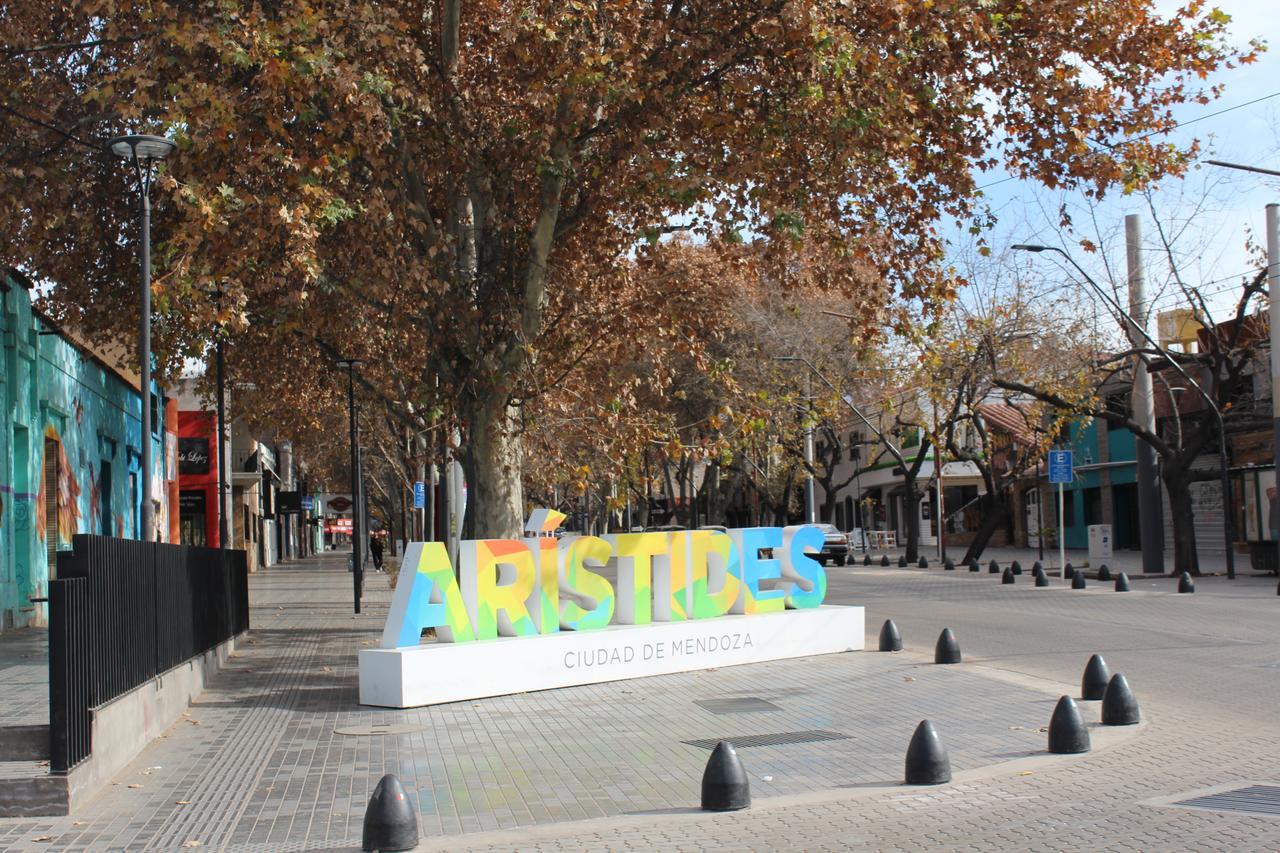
[(1228, 524), (357, 571), (143, 152)]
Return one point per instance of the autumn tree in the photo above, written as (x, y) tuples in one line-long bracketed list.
[(1223, 360), (450, 187)]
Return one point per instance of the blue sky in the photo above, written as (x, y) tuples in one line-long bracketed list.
[(1210, 211)]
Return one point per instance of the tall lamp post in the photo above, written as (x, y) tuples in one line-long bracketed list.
[(357, 571), (220, 372), (143, 152), (1228, 523)]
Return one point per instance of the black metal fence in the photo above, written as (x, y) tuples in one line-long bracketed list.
[(120, 613)]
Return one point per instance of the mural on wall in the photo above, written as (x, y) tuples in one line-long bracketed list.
[(68, 493), (58, 398)]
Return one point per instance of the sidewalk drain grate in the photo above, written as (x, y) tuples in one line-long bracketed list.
[(777, 739), (1255, 799), (737, 705), (378, 729)]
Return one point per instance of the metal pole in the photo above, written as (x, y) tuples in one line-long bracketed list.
[(223, 535), (941, 520), (1150, 525), (144, 347), (856, 455), (810, 498), (355, 488), (1062, 534), (1273, 291), (1039, 513)]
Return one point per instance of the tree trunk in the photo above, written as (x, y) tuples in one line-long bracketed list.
[(829, 505), (911, 507), (495, 499), (995, 513), (1185, 558)]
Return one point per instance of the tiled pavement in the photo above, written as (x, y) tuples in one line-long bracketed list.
[(24, 677), (258, 765)]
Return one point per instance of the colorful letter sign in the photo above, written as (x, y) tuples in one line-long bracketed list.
[(655, 602)]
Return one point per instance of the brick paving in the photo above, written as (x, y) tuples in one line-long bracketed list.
[(257, 763)]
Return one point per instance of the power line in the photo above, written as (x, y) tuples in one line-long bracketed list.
[(1152, 133), (64, 134)]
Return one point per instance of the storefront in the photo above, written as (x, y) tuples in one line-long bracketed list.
[(197, 479)]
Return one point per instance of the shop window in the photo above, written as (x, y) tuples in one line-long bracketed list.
[(191, 517)]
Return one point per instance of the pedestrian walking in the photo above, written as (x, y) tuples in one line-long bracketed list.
[(375, 551)]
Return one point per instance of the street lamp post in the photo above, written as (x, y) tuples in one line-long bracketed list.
[(1228, 523), (220, 373), (357, 571), (143, 152)]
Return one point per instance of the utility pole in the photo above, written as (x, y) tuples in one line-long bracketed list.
[(1150, 523)]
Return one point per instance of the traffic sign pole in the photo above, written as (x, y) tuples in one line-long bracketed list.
[(1061, 471), (1062, 535)]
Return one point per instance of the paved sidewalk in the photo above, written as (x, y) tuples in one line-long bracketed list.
[(24, 677), (260, 762)]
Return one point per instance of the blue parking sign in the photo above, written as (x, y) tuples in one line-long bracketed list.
[(419, 494), (1061, 468)]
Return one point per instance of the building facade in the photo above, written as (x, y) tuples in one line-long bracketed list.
[(71, 445)]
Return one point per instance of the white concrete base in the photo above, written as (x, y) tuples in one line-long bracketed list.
[(451, 672)]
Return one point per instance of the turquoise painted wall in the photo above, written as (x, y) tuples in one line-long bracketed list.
[(54, 395), (1121, 447)]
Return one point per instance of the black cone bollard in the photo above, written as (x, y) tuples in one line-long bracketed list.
[(1122, 582), (1007, 577), (866, 560), (974, 567), (1104, 573), (1041, 578), (927, 759), (884, 561), (1094, 683), (1119, 705), (890, 638), (1185, 583), (950, 565), (1037, 566), (1017, 567), (390, 822), (724, 783), (924, 562), (1067, 732), (993, 568), (1077, 580), (902, 561), (1068, 572), (948, 648)]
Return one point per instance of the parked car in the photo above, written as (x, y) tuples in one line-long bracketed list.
[(835, 545)]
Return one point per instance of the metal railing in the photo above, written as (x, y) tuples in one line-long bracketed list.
[(123, 611)]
